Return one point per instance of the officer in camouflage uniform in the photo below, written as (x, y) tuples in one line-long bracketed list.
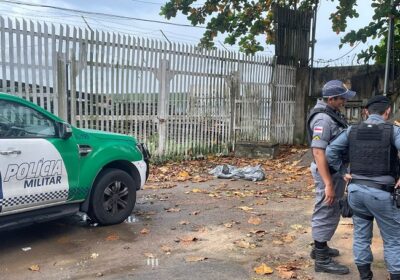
[(324, 123), (374, 168)]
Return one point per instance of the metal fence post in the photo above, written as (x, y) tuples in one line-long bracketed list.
[(234, 90), (61, 87), (164, 76), (274, 114), (74, 74)]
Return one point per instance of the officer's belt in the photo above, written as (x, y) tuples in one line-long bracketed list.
[(331, 169), (371, 184)]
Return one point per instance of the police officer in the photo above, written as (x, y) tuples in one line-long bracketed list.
[(324, 123), (373, 146)]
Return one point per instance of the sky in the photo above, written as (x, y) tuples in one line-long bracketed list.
[(327, 51)]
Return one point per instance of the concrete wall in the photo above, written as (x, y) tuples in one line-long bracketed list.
[(366, 80), (302, 101)]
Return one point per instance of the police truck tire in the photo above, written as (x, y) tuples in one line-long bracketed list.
[(113, 197)]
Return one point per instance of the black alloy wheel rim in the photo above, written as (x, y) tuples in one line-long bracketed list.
[(115, 198)]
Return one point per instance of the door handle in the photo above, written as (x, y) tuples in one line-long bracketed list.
[(10, 152)]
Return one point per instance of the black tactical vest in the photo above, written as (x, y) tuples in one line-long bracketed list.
[(371, 150), (339, 119)]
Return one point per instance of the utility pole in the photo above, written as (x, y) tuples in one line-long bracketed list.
[(388, 48), (311, 74)]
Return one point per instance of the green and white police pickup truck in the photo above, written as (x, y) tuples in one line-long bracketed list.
[(50, 169)]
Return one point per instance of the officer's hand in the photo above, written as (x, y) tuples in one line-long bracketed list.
[(329, 194), (347, 177)]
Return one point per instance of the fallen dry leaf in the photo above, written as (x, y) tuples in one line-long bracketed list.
[(245, 208), (168, 185), (260, 202), (277, 242), (144, 213), (149, 255), (187, 239), (254, 220), (286, 271), (221, 186), (199, 179), (240, 194), (166, 248), (244, 244), (199, 228), (194, 259), (296, 226), (294, 265), (287, 274), (183, 176), (34, 267), (112, 237), (289, 238), (258, 232), (173, 209), (263, 269), (145, 231), (197, 190), (295, 162), (164, 185), (164, 169), (150, 187), (228, 225), (184, 222)]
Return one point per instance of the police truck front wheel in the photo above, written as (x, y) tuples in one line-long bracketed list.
[(113, 197)]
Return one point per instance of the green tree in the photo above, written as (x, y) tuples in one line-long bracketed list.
[(377, 28), (245, 20), (242, 20)]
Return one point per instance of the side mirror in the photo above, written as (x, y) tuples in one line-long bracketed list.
[(64, 130)]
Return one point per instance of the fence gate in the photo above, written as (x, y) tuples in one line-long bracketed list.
[(264, 102)]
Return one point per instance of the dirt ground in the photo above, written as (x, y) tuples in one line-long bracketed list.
[(188, 225)]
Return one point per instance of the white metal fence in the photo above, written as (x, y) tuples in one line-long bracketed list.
[(177, 98)]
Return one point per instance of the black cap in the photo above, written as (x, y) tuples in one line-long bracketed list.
[(378, 99)]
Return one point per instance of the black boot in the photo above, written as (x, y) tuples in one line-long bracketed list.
[(324, 263), (332, 252), (365, 272), (394, 276)]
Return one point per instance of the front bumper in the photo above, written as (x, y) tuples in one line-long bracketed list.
[(143, 166), (143, 169)]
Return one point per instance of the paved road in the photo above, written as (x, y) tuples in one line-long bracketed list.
[(229, 227)]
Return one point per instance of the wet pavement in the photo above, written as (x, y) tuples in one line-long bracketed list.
[(217, 229)]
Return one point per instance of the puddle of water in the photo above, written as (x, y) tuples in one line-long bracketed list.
[(131, 219), (83, 217)]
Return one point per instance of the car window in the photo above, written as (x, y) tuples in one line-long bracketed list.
[(19, 121)]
